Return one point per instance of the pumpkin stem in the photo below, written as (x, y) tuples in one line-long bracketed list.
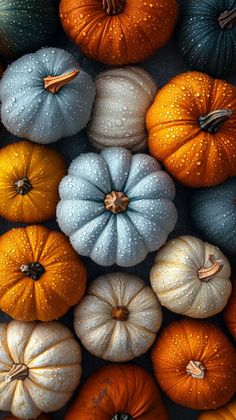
[(55, 83), (23, 186), (195, 369), (122, 416), (33, 270), (113, 7), (205, 272), (227, 19), (116, 202), (214, 120), (18, 371), (120, 313)]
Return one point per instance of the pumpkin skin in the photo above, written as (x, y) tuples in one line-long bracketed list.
[(117, 389), (191, 277), (32, 105), (41, 417), (130, 36), (195, 156), (195, 364), (118, 318), (230, 312), (43, 292), (29, 182), (228, 412), (41, 365), (116, 207), (118, 118)]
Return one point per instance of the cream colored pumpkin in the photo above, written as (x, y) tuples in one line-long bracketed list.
[(123, 96), (39, 367), (119, 317), (191, 277)]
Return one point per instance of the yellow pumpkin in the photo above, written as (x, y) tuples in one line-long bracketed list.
[(228, 412)]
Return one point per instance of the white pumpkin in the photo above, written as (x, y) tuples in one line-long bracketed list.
[(191, 277), (39, 367), (123, 96), (119, 317)]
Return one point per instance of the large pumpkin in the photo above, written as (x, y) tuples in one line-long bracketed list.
[(41, 275), (230, 312), (40, 366), (228, 412), (192, 129), (46, 96), (121, 31), (118, 392), (195, 364), (41, 417), (116, 207)]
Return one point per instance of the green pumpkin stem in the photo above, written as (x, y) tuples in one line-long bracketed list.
[(120, 313), (54, 83), (113, 7), (33, 270), (195, 369), (122, 416), (116, 202), (23, 186), (227, 19), (205, 273), (214, 120), (17, 372)]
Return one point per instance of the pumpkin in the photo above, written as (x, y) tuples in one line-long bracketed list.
[(191, 277), (118, 392), (40, 366), (214, 214), (46, 96), (195, 364), (29, 182), (41, 275), (119, 317), (192, 128), (207, 36), (123, 95), (230, 312), (116, 207), (118, 32), (227, 412), (41, 417)]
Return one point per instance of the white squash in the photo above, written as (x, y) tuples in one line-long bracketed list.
[(191, 277), (123, 96), (119, 317)]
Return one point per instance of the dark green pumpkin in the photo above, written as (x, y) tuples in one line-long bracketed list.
[(207, 36)]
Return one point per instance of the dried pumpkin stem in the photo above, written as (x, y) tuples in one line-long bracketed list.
[(120, 313), (195, 369), (116, 202), (33, 270), (227, 19), (23, 186), (113, 7), (55, 83), (17, 372), (214, 120), (205, 273), (122, 416)]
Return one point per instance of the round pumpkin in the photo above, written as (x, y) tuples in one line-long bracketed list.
[(192, 128), (191, 277), (214, 214), (41, 417), (118, 318), (195, 364), (207, 36), (29, 182), (228, 412), (230, 312), (118, 392), (40, 367), (123, 95), (46, 96), (116, 207), (41, 275), (118, 32)]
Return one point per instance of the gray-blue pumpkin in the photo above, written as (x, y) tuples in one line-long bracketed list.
[(116, 207), (214, 214), (207, 36), (46, 96)]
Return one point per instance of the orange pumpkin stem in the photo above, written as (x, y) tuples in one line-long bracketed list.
[(113, 7), (195, 369), (227, 19), (33, 270), (23, 186), (17, 372), (205, 273), (55, 83), (214, 120), (116, 202), (120, 313), (122, 416)]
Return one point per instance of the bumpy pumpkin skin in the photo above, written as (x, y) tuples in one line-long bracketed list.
[(41, 417), (114, 389), (230, 312), (228, 412), (26, 296), (128, 37), (195, 157), (182, 346)]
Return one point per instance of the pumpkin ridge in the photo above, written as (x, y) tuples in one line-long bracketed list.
[(39, 285), (142, 238), (62, 340)]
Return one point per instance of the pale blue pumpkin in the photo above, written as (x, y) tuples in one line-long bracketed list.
[(116, 207), (37, 104)]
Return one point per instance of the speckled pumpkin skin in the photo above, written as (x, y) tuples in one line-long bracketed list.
[(230, 312), (194, 157), (59, 287), (228, 412)]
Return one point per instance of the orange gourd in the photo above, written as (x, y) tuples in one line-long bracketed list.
[(115, 390), (41, 275), (29, 179), (41, 417), (118, 31), (195, 364), (192, 129), (230, 312), (228, 412)]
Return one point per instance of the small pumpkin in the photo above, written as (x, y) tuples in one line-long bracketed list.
[(195, 364), (40, 367), (191, 277), (46, 96), (192, 128), (123, 95), (228, 412), (116, 207), (41, 275), (118, 318), (41, 417), (118, 32), (230, 312), (118, 392)]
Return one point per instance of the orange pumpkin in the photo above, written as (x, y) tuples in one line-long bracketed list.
[(118, 31), (29, 179), (115, 390), (228, 412), (192, 129), (41, 275), (230, 312), (195, 364), (41, 417)]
